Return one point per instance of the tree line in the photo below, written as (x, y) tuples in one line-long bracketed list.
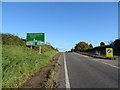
[(85, 47)]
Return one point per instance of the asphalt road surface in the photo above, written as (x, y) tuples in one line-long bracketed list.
[(86, 72)]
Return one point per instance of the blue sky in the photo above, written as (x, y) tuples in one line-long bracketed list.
[(64, 23)]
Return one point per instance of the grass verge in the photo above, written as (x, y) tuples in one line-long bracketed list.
[(19, 63), (50, 83)]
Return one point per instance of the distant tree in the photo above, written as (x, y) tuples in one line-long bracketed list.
[(72, 50), (110, 42), (82, 46), (102, 44), (91, 46), (116, 44)]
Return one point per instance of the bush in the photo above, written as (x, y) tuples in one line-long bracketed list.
[(9, 39), (82, 46)]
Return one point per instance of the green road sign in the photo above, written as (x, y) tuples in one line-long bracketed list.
[(35, 39)]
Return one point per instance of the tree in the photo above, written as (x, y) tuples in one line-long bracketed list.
[(110, 42), (82, 46), (72, 50), (91, 46), (102, 44), (116, 44)]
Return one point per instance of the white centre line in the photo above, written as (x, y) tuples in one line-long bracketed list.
[(66, 74)]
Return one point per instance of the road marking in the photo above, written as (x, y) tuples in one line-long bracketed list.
[(66, 74), (98, 61), (82, 55), (111, 65), (107, 64)]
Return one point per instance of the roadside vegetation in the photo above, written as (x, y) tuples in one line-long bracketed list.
[(20, 62), (100, 50)]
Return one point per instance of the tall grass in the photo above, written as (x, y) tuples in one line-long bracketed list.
[(19, 62)]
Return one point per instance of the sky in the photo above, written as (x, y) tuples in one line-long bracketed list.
[(64, 23)]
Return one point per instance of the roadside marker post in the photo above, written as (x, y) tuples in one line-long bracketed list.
[(109, 52)]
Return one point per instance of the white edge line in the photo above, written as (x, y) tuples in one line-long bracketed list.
[(66, 74), (111, 65), (107, 64), (104, 63)]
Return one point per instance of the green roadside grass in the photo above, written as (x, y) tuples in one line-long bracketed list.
[(50, 82), (19, 63)]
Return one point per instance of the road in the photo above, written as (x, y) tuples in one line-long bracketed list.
[(79, 71)]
